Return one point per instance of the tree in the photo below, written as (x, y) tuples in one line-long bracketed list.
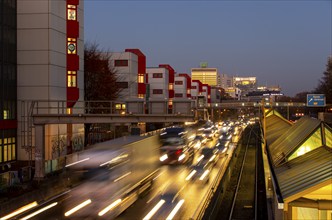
[(100, 84), (325, 84), (100, 79)]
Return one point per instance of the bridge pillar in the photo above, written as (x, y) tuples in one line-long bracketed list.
[(39, 152)]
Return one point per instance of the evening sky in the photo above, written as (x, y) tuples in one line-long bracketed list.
[(283, 43)]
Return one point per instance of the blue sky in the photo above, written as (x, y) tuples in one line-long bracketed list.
[(282, 43)]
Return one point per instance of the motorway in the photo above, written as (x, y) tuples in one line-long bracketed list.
[(99, 198)]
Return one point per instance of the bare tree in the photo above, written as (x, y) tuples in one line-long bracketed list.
[(325, 84), (100, 84)]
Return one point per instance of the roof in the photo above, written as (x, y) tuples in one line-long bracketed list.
[(304, 172), (288, 142), (275, 127)]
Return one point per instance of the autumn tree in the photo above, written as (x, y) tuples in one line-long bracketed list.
[(325, 83)]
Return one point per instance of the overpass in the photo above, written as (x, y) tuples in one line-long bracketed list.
[(37, 114)]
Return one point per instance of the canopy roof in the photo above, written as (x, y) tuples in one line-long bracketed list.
[(289, 141), (276, 125), (303, 174)]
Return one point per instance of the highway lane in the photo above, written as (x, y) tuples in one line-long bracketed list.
[(175, 188), (170, 189)]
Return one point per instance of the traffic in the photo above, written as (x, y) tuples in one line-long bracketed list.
[(165, 176)]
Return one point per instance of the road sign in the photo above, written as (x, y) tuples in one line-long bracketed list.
[(316, 100)]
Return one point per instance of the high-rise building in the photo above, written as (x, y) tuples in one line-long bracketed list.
[(8, 79), (245, 84), (50, 55), (205, 75)]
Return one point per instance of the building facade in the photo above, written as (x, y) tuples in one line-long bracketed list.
[(130, 68), (8, 80), (50, 62), (205, 75), (245, 84), (182, 86)]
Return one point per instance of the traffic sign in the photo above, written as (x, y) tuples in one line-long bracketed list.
[(316, 100)]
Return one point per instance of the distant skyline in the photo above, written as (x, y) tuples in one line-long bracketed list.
[(285, 43)]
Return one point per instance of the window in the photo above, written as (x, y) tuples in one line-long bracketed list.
[(178, 82), (120, 62), (71, 46), (170, 86), (120, 106), (71, 15), (71, 75), (140, 78), (194, 87), (5, 114), (122, 85), (178, 95), (157, 75), (157, 91)]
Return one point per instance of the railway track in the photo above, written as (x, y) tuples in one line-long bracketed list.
[(242, 193), (244, 201)]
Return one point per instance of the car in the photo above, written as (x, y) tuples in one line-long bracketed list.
[(208, 133), (202, 140), (208, 155), (199, 172), (176, 154), (222, 147)]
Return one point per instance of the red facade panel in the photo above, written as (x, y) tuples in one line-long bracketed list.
[(141, 88), (170, 70), (8, 124), (171, 94), (72, 29), (72, 96), (200, 85), (72, 62), (72, 2)]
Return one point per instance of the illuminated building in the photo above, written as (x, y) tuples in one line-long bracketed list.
[(245, 84), (8, 77), (205, 75)]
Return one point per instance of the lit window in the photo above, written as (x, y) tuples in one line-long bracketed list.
[(140, 78), (71, 15), (170, 86), (71, 75), (69, 111), (118, 106), (170, 102), (140, 96), (71, 46), (5, 114), (188, 91)]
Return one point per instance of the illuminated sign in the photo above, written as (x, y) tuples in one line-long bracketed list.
[(316, 100)]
